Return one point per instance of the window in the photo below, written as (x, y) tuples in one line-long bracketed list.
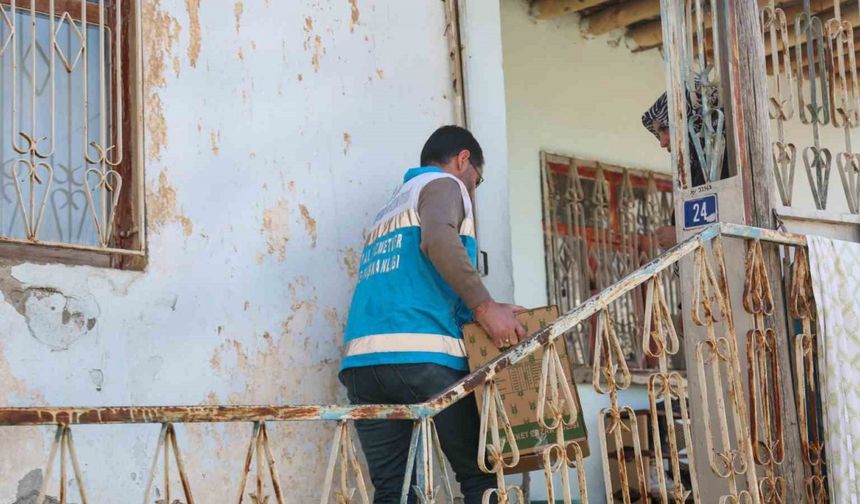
[(71, 187), (600, 224)]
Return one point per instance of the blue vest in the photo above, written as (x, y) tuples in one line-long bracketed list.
[(402, 311)]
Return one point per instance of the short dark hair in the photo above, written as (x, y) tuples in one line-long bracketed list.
[(446, 142)]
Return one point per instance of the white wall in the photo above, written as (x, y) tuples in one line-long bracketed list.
[(485, 97), (569, 95), (274, 131)]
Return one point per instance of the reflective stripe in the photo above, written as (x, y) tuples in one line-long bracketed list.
[(406, 218), (409, 218), (468, 227), (406, 342)]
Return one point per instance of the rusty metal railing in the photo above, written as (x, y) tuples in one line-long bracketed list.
[(810, 50), (744, 431)]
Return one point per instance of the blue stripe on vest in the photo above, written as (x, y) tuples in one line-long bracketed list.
[(400, 291), (382, 358)]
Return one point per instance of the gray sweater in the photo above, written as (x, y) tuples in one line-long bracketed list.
[(440, 208)]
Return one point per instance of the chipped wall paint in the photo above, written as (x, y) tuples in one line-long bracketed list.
[(274, 131)]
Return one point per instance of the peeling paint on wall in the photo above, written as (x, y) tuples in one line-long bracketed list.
[(12, 289), (162, 207), (313, 43), (194, 40), (276, 229), (277, 365), (28, 489), (97, 376), (12, 386), (53, 318), (56, 319), (350, 259), (347, 142), (335, 322), (238, 9), (310, 224), (353, 20), (215, 139), (318, 51), (25, 447), (206, 323), (160, 33)]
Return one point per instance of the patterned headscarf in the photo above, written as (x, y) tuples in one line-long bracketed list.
[(657, 117)]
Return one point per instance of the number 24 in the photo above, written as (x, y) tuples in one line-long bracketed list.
[(700, 211)]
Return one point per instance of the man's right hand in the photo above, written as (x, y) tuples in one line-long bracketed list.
[(499, 322), (666, 237)]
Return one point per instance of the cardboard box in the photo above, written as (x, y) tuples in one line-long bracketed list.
[(519, 387)]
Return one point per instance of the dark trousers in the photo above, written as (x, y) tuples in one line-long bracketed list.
[(386, 442)]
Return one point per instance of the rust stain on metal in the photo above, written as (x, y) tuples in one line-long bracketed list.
[(802, 308), (194, 40), (195, 414), (162, 207), (160, 33), (310, 224), (765, 384), (276, 229)]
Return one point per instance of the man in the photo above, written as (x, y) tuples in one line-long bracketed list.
[(418, 285), (656, 120)]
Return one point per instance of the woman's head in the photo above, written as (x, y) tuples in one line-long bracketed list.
[(656, 120)]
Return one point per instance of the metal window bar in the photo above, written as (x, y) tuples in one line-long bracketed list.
[(733, 443), (596, 232), (811, 57), (62, 110)]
